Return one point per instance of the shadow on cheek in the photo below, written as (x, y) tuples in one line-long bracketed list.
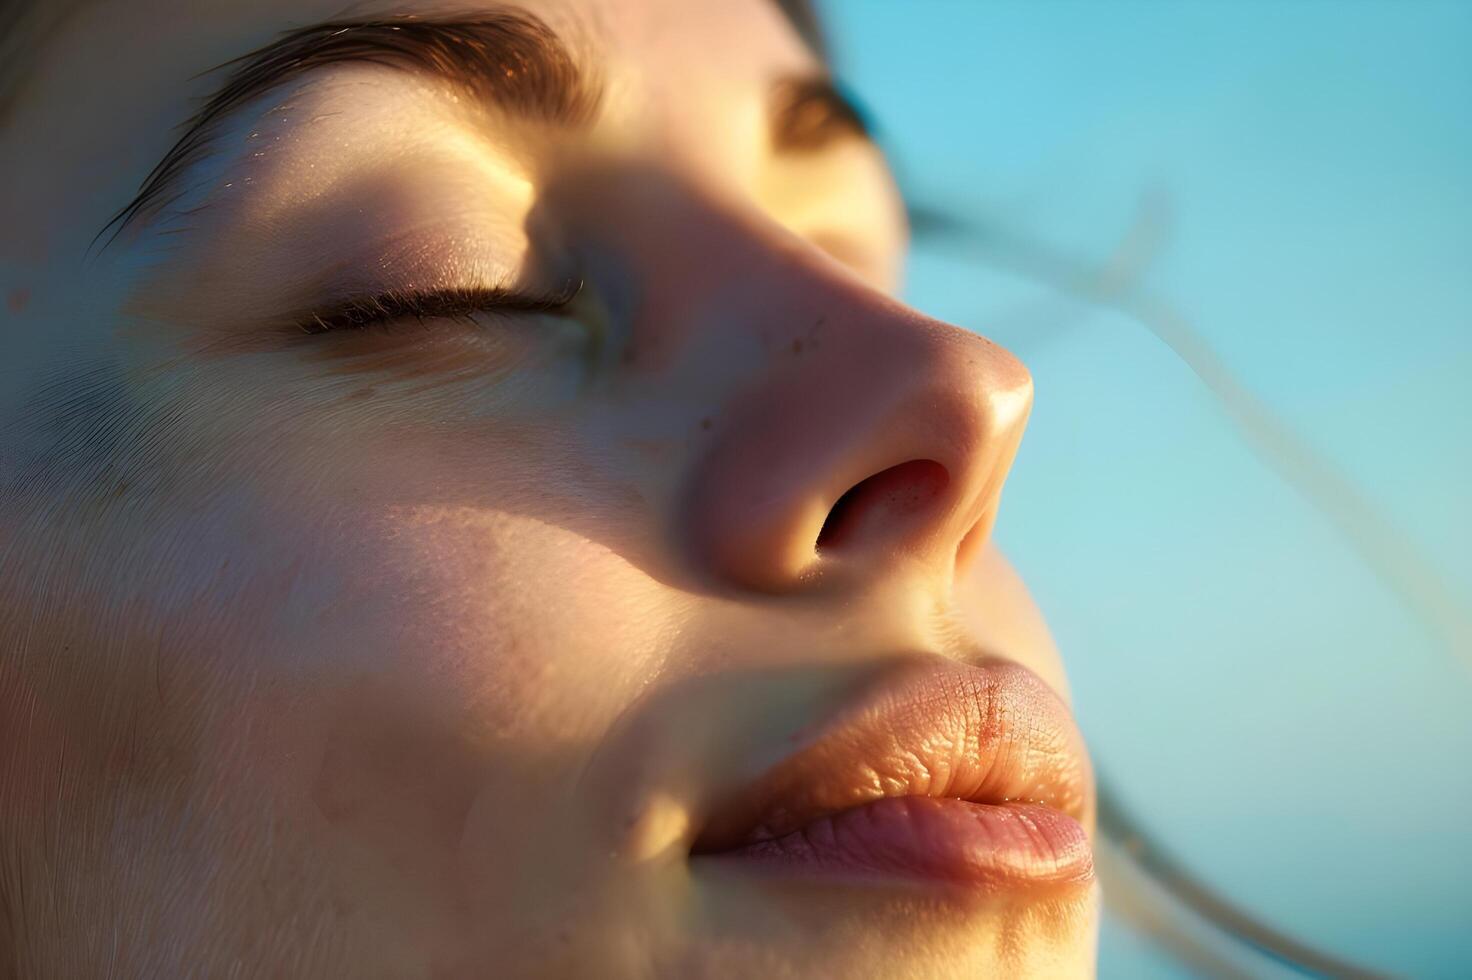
[(396, 783)]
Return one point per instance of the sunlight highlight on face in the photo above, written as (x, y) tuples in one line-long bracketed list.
[(484, 510)]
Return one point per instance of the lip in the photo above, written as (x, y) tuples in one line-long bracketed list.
[(942, 771)]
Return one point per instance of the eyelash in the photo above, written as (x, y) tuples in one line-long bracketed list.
[(458, 304)]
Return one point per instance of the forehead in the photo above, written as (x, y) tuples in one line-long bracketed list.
[(111, 80), (720, 34)]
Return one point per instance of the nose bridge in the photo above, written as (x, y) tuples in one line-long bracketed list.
[(708, 269), (839, 435)]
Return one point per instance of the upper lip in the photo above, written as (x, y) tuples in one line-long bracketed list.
[(987, 733)]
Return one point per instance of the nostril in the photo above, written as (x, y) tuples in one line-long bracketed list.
[(891, 496)]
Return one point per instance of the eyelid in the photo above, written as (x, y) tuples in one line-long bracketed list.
[(454, 303)]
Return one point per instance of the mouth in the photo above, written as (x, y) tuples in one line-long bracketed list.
[(943, 772)]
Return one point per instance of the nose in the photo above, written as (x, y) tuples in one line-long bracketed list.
[(872, 439)]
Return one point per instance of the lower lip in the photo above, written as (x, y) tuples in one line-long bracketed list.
[(939, 840)]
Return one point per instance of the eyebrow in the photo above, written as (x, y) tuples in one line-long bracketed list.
[(511, 60), (811, 113)]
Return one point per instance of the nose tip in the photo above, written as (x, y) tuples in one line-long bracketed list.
[(888, 449), (938, 505)]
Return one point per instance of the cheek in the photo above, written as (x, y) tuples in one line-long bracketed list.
[(532, 627), (463, 684), (422, 688)]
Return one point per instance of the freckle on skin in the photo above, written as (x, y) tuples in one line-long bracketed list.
[(705, 423), (797, 346), (18, 299)]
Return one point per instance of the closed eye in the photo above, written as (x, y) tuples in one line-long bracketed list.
[(384, 310)]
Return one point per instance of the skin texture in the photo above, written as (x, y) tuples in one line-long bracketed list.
[(425, 653)]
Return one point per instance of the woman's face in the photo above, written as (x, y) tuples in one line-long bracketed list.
[(483, 512)]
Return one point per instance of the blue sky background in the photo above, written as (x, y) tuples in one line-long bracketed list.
[(1258, 695)]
